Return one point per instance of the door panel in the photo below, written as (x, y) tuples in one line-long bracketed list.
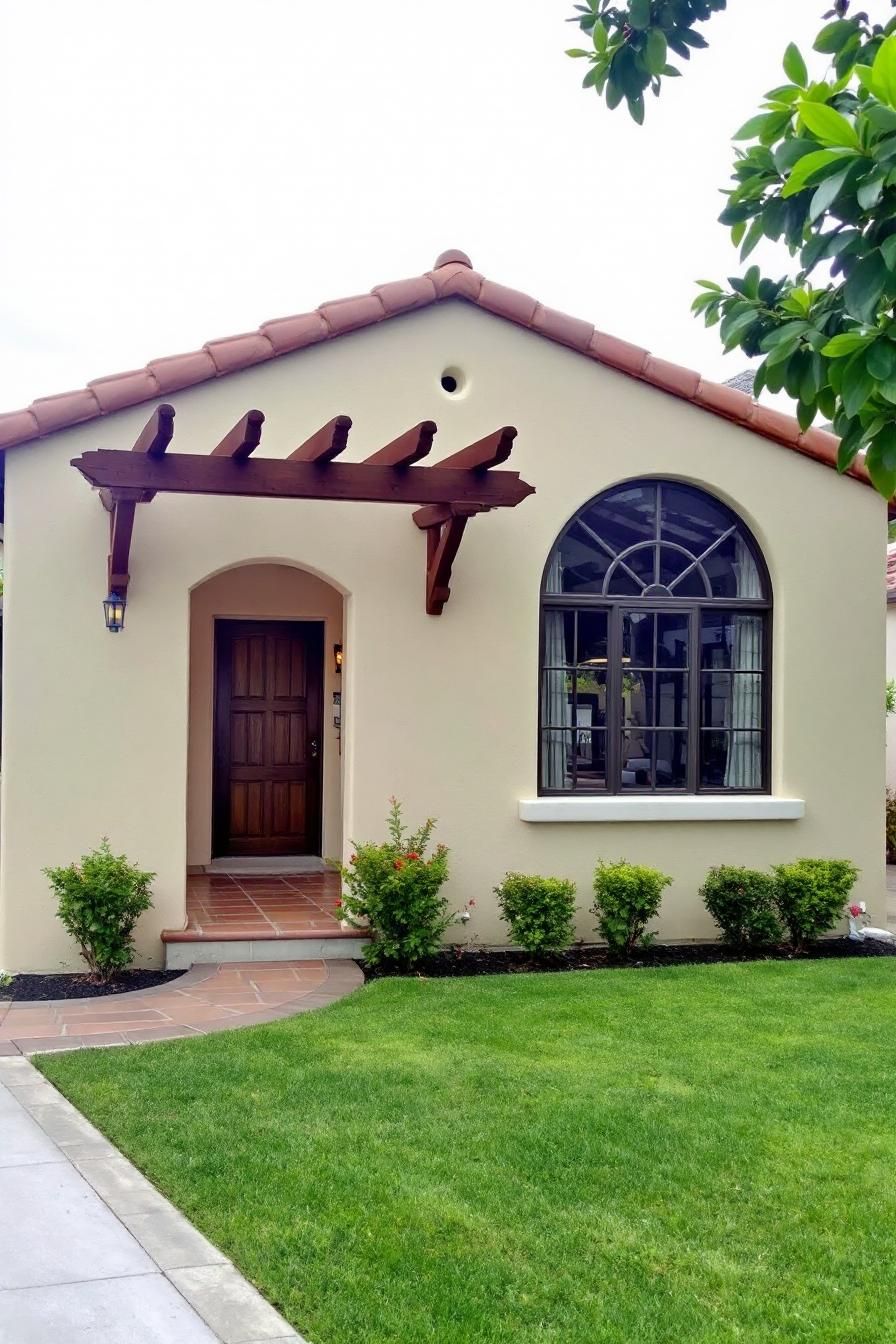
[(268, 717)]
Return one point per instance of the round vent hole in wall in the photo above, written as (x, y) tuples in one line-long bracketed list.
[(453, 382)]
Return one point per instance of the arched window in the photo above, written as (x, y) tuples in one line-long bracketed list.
[(656, 621)]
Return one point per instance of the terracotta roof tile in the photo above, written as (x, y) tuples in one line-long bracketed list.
[(400, 295), (673, 378), (891, 571), (239, 352), (343, 315), (66, 408), (509, 303), (173, 372), (618, 354), (560, 327), (294, 333), (18, 427), (124, 389), (452, 277)]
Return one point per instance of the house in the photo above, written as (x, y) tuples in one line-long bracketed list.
[(570, 599), (891, 661)]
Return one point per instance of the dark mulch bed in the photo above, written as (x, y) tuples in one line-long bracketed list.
[(483, 961), (25, 988)]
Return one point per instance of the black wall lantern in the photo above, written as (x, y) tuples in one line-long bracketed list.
[(114, 606), (337, 656)]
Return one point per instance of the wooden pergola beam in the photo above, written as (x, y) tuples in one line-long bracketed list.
[(485, 453), (243, 439), (449, 493), (328, 442), (277, 478), (408, 448), (157, 433)]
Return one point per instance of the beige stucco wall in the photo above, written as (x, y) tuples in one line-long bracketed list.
[(441, 712), (257, 593), (891, 675)]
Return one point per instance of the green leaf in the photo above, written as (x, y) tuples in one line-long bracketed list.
[(655, 50), (857, 386), (850, 444), (751, 128), (829, 125), (827, 193), (833, 36), (809, 165), (639, 13), (846, 343), (883, 71), (871, 190), (880, 459), (599, 36), (887, 390), (888, 250), (636, 108), (881, 360), (753, 236), (709, 284), (865, 287), (883, 118), (795, 66), (577, 51)]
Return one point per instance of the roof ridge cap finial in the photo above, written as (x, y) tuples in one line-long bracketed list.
[(453, 256)]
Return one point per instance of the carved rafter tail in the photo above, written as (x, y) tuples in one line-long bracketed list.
[(157, 433), (328, 442), (411, 446), (243, 439)]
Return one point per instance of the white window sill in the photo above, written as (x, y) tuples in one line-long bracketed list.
[(691, 807)]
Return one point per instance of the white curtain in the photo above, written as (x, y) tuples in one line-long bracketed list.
[(554, 701), (744, 767)]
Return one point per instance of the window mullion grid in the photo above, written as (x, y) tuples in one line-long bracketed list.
[(695, 710), (613, 746)]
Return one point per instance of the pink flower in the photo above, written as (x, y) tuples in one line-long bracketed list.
[(412, 854), (855, 911)]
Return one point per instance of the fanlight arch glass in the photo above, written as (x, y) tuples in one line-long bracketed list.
[(656, 613)]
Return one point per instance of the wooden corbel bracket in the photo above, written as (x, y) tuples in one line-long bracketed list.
[(444, 525)]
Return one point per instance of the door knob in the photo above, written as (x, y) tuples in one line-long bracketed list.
[(315, 748)]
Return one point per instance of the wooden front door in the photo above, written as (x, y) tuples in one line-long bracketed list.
[(268, 737)]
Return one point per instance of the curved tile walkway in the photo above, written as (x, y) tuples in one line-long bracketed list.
[(206, 998)]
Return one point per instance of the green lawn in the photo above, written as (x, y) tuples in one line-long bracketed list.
[(703, 1154)]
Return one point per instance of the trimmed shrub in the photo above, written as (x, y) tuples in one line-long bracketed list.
[(810, 895), (741, 901), (626, 897), (891, 826), (395, 890), (539, 911), (100, 900)]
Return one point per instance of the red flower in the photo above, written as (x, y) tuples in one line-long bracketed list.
[(855, 911), (398, 865), (338, 904), (412, 854), (353, 859)]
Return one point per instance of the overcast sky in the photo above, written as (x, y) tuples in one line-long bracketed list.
[(181, 170)]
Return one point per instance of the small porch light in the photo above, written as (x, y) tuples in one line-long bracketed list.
[(114, 606), (337, 657)]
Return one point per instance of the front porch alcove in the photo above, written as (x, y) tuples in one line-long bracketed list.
[(265, 765)]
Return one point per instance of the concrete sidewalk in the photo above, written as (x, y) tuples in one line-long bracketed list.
[(91, 1253)]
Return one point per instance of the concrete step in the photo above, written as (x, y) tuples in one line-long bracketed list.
[(184, 949)]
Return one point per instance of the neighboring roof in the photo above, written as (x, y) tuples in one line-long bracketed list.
[(743, 381), (891, 573), (452, 277)]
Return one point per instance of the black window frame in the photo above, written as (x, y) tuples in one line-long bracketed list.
[(693, 607)]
